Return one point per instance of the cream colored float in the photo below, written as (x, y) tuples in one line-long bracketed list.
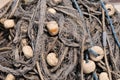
[(53, 28), (51, 10), (52, 59), (9, 23), (110, 8), (99, 51), (88, 67), (10, 77), (27, 50), (103, 76)]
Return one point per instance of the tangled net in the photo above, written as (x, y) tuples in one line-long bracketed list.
[(74, 38)]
